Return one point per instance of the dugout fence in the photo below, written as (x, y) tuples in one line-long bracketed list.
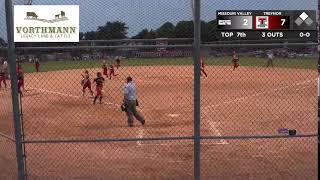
[(228, 122)]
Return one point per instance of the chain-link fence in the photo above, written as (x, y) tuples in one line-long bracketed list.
[(8, 161), (252, 94)]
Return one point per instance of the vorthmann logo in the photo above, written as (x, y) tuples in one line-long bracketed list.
[(46, 23), (42, 30)]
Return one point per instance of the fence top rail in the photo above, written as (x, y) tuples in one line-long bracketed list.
[(258, 137), (97, 140), (107, 140), (170, 46)]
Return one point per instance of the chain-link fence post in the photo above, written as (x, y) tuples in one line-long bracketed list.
[(318, 48), (14, 88), (196, 58)]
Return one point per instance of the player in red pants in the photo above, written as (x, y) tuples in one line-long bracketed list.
[(235, 60), (37, 65), (105, 68), (3, 78), (99, 85), (111, 71), (86, 83), (20, 78), (202, 66)]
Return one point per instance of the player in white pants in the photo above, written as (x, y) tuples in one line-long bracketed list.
[(270, 56)]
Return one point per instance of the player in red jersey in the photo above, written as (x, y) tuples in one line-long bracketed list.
[(18, 67), (235, 60), (86, 83), (20, 78), (105, 68), (3, 78), (99, 85), (111, 71), (37, 64), (118, 62), (202, 66)]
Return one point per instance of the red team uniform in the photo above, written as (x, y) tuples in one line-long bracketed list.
[(20, 79), (111, 72), (235, 60), (37, 65), (3, 79), (86, 83), (202, 67), (105, 69), (99, 85)]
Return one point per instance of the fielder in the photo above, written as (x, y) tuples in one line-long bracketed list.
[(5, 69), (20, 79), (37, 64), (270, 56), (235, 60), (86, 83), (99, 85), (105, 68), (202, 66), (3, 78), (112, 72), (118, 62)]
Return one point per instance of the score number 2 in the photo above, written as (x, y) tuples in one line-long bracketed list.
[(245, 22)]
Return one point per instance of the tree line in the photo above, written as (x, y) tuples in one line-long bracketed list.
[(183, 29)]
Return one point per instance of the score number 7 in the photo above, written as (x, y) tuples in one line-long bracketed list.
[(283, 21)]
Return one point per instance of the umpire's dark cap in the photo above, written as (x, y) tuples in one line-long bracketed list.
[(129, 79)]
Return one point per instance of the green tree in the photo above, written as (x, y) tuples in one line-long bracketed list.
[(81, 36), (145, 34), (112, 30), (167, 30), (91, 35), (210, 31), (142, 34), (184, 29), (152, 34)]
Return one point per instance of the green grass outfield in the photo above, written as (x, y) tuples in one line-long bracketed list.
[(301, 63)]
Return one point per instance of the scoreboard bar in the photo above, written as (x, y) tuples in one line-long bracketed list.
[(267, 24), (268, 35)]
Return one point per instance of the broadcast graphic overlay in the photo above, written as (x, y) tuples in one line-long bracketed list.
[(263, 25)]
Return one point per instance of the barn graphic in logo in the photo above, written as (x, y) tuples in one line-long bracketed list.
[(58, 17)]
